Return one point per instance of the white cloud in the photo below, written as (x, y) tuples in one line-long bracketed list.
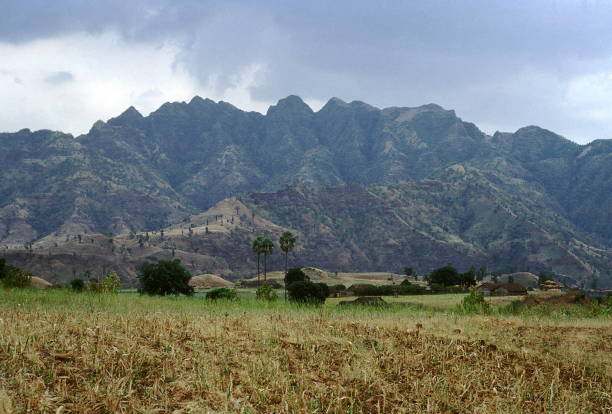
[(107, 75), (590, 97)]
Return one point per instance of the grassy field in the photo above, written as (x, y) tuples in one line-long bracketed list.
[(87, 353)]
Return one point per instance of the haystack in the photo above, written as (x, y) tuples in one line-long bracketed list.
[(209, 281), (40, 283), (551, 284), (365, 301)]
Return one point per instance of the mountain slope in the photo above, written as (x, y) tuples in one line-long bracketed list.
[(461, 218), (139, 173)]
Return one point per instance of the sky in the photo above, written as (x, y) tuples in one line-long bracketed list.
[(500, 64)]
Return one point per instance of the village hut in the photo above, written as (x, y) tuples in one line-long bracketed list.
[(501, 289)]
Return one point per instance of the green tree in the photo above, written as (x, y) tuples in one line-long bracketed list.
[(408, 271), (481, 273), (468, 278), (267, 248), (257, 247), (287, 243), (447, 276), (166, 277)]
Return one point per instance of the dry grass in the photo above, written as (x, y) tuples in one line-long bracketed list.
[(442, 301), (81, 353)]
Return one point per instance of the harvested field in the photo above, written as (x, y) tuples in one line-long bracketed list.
[(103, 353)]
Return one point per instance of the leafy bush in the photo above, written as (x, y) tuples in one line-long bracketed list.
[(16, 278), (13, 277), (3, 269), (295, 275), (222, 293), (111, 282), (389, 290), (513, 308), (474, 302), (166, 277), (307, 292), (95, 286), (274, 284), (78, 285), (339, 287), (266, 292), (324, 290)]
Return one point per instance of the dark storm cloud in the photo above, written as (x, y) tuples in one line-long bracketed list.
[(503, 64)]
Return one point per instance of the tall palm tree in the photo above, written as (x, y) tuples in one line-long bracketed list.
[(258, 249), (287, 243), (266, 249)]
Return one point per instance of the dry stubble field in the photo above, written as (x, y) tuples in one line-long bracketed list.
[(84, 353)]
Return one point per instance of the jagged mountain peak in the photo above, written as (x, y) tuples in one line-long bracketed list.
[(334, 102), (290, 104), (129, 116), (198, 100), (97, 125)]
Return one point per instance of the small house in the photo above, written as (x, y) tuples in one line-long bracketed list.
[(357, 286), (501, 289), (510, 289), (486, 288)]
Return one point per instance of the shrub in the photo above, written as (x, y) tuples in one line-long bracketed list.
[(266, 292), (324, 290), (307, 292), (222, 293), (388, 290), (166, 277), (295, 275), (474, 302), (13, 277), (339, 287), (95, 286), (111, 282), (16, 278), (3, 269), (512, 308), (78, 285), (274, 284)]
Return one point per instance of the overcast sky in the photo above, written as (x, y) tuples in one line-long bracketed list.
[(501, 64)]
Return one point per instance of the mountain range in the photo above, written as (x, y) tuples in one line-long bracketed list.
[(364, 188)]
